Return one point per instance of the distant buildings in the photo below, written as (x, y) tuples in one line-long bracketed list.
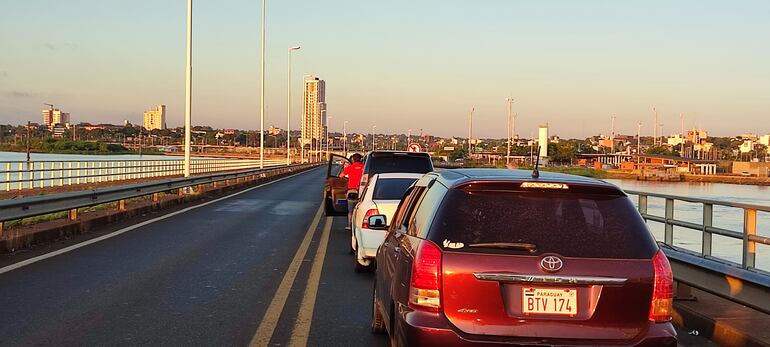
[(155, 118), (313, 111), (54, 116)]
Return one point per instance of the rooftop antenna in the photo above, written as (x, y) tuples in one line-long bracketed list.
[(535, 171)]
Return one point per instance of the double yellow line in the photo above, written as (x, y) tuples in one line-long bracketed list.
[(301, 330)]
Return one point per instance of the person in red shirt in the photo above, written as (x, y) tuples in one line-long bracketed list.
[(353, 172)]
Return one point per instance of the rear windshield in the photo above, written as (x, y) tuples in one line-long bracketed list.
[(580, 225), (385, 163), (391, 188)]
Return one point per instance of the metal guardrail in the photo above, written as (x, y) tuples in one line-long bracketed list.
[(743, 283), (14, 209), (18, 175)]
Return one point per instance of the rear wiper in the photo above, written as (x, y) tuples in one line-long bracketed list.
[(531, 248)]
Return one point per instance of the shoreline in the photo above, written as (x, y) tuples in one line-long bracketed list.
[(739, 180)]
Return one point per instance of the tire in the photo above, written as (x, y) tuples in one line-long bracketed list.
[(328, 206), (378, 323), (396, 330), (360, 267)]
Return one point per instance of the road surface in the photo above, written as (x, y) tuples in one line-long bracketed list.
[(263, 267)]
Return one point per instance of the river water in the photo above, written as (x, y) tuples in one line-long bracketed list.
[(724, 217)]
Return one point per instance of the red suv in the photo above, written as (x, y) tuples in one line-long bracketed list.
[(496, 257)]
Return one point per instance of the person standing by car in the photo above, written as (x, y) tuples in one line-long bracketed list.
[(353, 172)]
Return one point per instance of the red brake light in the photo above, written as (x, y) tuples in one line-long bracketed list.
[(425, 287), (662, 290), (370, 212)]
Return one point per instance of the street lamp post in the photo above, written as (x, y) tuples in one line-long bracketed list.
[(328, 148), (288, 108), (262, 93), (188, 92)]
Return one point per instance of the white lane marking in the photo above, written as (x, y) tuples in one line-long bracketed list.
[(301, 331), (127, 229), (273, 314)]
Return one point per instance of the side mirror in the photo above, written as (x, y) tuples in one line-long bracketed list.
[(377, 222)]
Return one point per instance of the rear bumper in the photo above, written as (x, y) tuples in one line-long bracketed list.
[(430, 329), (368, 241)]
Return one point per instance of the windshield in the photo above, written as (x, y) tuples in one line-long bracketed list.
[(391, 188)]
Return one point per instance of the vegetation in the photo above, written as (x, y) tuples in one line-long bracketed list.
[(50, 145)]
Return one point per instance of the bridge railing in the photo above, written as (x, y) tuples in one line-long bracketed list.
[(19, 175), (16, 209), (743, 282)]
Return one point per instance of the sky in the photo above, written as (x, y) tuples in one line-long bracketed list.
[(397, 64)]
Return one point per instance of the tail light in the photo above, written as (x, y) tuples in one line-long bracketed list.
[(370, 212), (662, 290), (425, 286)]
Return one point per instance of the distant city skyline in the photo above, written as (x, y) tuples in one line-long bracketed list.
[(398, 64)]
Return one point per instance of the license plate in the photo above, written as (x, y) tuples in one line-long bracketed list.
[(549, 301)]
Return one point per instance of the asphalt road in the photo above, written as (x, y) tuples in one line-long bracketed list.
[(263, 267)]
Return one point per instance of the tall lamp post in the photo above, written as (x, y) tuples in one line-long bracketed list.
[(328, 149), (188, 92), (288, 109), (262, 93)]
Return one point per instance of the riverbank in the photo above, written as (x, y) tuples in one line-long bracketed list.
[(72, 147)]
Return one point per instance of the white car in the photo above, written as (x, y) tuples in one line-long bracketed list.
[(381, 195)]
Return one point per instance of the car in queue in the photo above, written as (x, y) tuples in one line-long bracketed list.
[(504, 257), (336, 187), (381, 196), (377, 162)]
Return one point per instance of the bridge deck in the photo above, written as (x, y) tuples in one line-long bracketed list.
[(214, 274)]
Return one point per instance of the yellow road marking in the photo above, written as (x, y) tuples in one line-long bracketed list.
[(270, 320), (301, 331)]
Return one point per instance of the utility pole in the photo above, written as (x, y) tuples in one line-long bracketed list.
[(344, 138), (408, 138), (638, 143), (612, 135), (374, 147), (28, 142), (470, 131), (509, 101), (655, 128), (681, 133)]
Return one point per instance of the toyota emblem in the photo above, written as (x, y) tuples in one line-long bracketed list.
[(551, 263)]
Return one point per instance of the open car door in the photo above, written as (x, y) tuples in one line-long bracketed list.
[(336, 187)]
